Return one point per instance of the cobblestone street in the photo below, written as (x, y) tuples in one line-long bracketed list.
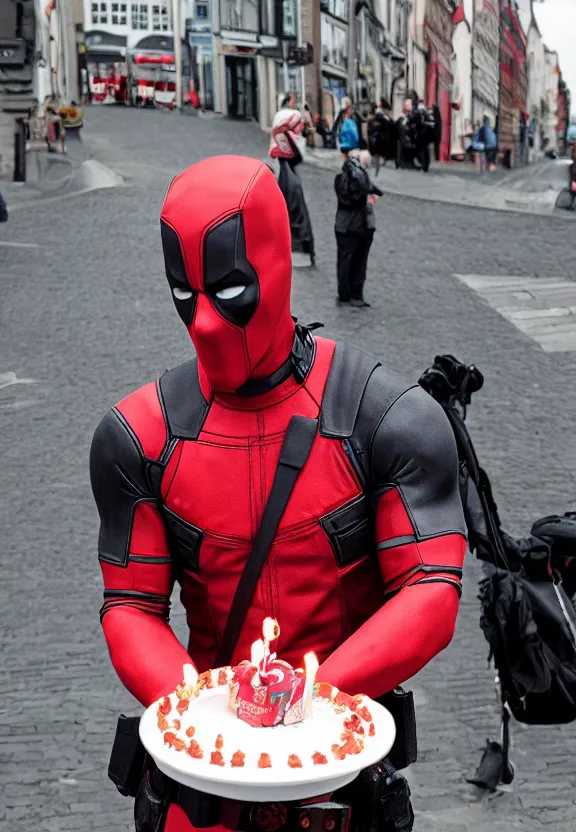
[(86, 317)]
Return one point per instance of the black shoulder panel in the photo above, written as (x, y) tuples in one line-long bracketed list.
[(119, 483), (185, 408), (349, 374), (384, 387), (414, 450)]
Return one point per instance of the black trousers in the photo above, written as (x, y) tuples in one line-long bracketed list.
[(352, 264)]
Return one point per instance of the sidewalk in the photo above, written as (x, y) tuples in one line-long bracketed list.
[(532, 189), (53, 175)]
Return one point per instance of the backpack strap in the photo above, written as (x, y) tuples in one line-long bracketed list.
[(294, 453), (347, 379)]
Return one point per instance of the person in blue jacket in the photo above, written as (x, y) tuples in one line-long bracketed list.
[(349, 133), (486, 141)]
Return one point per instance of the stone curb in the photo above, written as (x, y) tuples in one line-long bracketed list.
[(89, 175)]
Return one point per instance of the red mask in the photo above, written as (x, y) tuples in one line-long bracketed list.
[(226, 241)]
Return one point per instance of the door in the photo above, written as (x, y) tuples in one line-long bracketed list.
[(241, 88)]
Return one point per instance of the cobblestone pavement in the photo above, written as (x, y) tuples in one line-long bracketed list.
[(86, 317)]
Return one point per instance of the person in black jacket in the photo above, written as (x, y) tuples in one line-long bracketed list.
[(3, 210), (354, 227)]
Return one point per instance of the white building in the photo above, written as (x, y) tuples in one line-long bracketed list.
[(462, 120), (552, 77), (135, 39), (56, 70), (537, 102)]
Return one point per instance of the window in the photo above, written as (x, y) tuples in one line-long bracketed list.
[(339, 8), (334, 45), (99, 13), (139, 15), (159, 18), (202, 10), (119, 13), (289, 19)]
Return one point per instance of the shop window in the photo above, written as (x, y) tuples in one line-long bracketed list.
[(202, 10)]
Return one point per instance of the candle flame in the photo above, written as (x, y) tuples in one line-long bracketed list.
[(190, 675), (257, 652), (311, 664), (270, 629)]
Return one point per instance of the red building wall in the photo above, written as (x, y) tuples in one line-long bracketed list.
[(439, 79)]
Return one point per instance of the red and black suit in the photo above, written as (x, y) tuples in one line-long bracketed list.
[(365, 567)]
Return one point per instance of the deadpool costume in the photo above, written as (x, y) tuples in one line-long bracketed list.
[(366, 564)]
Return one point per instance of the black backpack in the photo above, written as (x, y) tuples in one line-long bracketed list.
[(527, 617), (349, 188)]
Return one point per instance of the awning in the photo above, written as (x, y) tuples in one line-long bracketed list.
[(104, 57)]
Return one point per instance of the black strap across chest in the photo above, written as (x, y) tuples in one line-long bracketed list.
[(185, 410), (293, 455)]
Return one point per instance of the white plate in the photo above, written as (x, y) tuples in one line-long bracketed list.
[(210, 716)]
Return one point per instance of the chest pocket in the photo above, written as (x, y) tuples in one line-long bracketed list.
[(350, 531), (184, 541)]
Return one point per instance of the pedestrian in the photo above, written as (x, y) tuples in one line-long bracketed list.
[(354, 227), (3, 210), (287, 125), (486, 142), (349, 132)]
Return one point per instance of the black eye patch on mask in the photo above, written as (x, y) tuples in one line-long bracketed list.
[(176, 274), (226, 266)]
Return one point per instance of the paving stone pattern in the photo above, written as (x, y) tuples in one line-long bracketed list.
[(544, 309), (87, 316)]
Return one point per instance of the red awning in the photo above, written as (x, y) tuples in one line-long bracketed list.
[(153, 59)]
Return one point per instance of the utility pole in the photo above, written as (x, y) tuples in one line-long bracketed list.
[(177, 35)]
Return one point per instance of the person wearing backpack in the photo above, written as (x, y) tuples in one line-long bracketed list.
[(354, 227)]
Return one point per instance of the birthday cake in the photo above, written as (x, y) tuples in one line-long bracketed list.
[(263, 713)]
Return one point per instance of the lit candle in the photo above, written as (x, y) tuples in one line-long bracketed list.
[(270, 631), (311, 664), (257, 652)]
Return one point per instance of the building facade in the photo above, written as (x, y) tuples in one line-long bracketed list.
[(486, 61), (537, 94), (462, 123), (552, 79), (254, 41), (512, 134)]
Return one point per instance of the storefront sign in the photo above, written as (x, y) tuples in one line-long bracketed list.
[(232, 49)]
